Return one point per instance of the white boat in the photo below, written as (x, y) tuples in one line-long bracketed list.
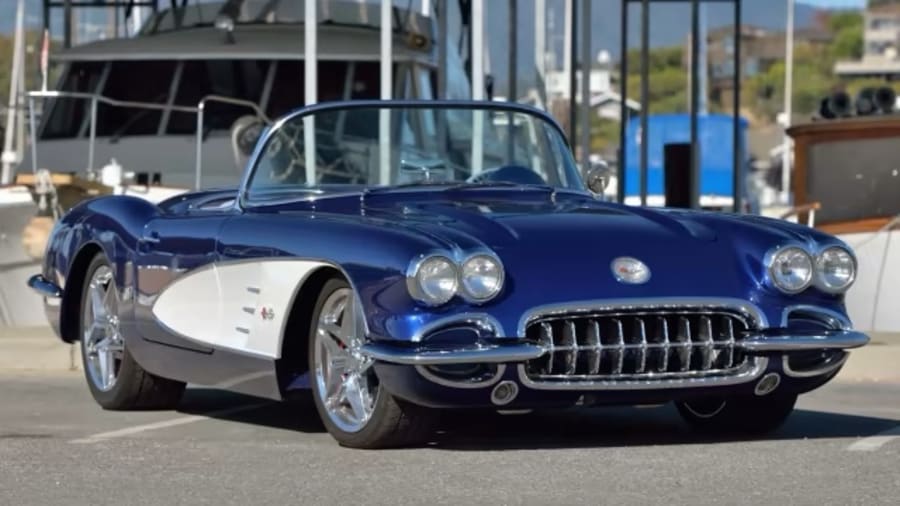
[(206, 69)]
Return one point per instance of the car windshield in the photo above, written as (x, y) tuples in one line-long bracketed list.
[(428, 144)]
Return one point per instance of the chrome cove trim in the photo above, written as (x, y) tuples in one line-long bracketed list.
[(828, 339), (758, 318), (754, 368), (482, 321), (486, 354), (45, 287), (827, 367), (461, 384), (829, 317)]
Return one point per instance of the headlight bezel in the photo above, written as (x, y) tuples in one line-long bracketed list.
[(414, 285), (464, 291), (458, 261), (814, 253), (773, 256), (818, 278)]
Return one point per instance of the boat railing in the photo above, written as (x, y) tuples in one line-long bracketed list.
[(201, 108), (810, 210), (96, 99)]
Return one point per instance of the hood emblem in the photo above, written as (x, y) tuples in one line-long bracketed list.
[(630, 270)]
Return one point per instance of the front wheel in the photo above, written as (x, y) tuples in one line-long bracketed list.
[(115, 379), (353, 405), (738, 415)]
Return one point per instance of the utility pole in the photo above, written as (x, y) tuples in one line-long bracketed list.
[(10, 156), (540, 51), (788, 104)]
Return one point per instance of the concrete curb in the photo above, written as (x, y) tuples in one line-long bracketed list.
[(38, 349)]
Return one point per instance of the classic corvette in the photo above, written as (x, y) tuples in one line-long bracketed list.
[(396, 258)]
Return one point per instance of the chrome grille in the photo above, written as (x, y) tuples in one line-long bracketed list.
[(638, 345)]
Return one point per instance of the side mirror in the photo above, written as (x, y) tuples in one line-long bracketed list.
[(245, 133), (598, 177)]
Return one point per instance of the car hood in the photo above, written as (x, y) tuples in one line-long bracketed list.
[(558, 246)]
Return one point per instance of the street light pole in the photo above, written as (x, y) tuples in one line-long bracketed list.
[(787, 145), (10, 156)]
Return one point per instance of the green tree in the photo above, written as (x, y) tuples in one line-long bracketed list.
[(847, 28)]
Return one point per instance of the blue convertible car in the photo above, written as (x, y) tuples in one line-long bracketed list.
[(399, 257)]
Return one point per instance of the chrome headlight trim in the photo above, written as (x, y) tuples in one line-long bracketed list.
[(465, 291), (818, 278), (414, 280), (772, 258)]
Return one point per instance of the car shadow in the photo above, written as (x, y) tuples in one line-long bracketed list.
[(470, 430)]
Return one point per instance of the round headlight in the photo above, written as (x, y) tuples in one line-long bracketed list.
[(482, 278), (835, 270), (791, 269), (433, 280)]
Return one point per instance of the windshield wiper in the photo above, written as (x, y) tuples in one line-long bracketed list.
[(457, 185)]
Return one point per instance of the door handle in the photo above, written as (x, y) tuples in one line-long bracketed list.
[(151, 237)]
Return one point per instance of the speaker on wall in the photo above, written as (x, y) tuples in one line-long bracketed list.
[(677, 174)]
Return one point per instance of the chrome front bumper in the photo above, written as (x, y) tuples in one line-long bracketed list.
[(771, 341), (45, 287)]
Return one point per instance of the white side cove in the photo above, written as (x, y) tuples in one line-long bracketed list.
[(872, 302), (241, 306)]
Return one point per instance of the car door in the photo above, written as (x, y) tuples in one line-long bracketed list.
[(177, 295)]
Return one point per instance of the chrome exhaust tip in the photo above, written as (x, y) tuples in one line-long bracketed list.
[(504, 393), (767, 384)]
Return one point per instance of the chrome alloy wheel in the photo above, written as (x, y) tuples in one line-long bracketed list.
[(101, 340), (345, 380)]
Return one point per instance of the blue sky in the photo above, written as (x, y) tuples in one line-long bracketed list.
[(835, 3)]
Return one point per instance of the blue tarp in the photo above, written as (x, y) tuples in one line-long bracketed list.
[(716, 147)]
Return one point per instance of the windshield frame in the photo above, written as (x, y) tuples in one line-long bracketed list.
[(241, 202)]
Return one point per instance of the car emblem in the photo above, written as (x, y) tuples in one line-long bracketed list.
[(630, 270), (267, 313)]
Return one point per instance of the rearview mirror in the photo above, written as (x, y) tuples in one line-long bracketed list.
[(598, 177)]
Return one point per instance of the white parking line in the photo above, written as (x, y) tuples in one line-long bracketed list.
[(875, 442), (129, 431)]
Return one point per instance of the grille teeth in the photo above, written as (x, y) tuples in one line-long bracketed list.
[(638, 344)]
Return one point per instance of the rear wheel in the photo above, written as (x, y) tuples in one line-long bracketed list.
[(115, 379), (353, 405), (738, 415)]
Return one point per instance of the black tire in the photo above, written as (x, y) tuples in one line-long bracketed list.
[(134, 388), (393, 422), (745, 415)]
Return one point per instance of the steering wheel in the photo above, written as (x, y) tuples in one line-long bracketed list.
[(286, 153), (509, 174)]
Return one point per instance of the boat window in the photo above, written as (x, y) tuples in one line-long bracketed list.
[(288, 92), (241, 79), (66, 115), (134, 81), (287, 88)]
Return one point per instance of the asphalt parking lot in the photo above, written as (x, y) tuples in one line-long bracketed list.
[(842, 446)]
